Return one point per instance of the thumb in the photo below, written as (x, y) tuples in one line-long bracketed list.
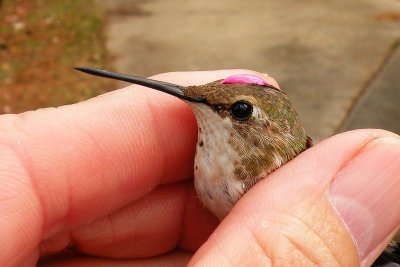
[(334, 205)]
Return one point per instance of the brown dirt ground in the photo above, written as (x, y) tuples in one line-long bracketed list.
[(40, 43)]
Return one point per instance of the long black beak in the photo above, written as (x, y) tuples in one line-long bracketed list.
[(169, 88)]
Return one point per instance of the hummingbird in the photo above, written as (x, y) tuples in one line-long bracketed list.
[(247, 128)]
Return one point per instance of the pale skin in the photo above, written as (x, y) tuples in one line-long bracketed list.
[(111, 178)]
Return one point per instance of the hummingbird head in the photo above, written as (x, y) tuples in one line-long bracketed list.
[(247, 128), (260, 125)]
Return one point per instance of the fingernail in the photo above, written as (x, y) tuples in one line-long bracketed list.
[(366, 193), (245, 79)]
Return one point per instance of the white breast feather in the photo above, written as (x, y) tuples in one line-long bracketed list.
[(215, 182)]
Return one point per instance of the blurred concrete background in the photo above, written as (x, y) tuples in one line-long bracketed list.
[(338, 60)]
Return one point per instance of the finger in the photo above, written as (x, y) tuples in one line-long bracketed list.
[(178, 258), (203, 77), (168, 217), (298, 215), (61, 167)]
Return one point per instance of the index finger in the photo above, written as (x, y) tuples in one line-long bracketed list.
[(79, 162)]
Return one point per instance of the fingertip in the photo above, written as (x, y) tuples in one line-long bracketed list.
[(203, 77), (290, 211)]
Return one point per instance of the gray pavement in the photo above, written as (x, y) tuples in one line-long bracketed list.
[(379, 106), (338, 60)]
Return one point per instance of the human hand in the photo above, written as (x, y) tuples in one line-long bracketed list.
[(111, 178)]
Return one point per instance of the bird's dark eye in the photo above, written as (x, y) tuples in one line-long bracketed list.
[(241, 110)]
